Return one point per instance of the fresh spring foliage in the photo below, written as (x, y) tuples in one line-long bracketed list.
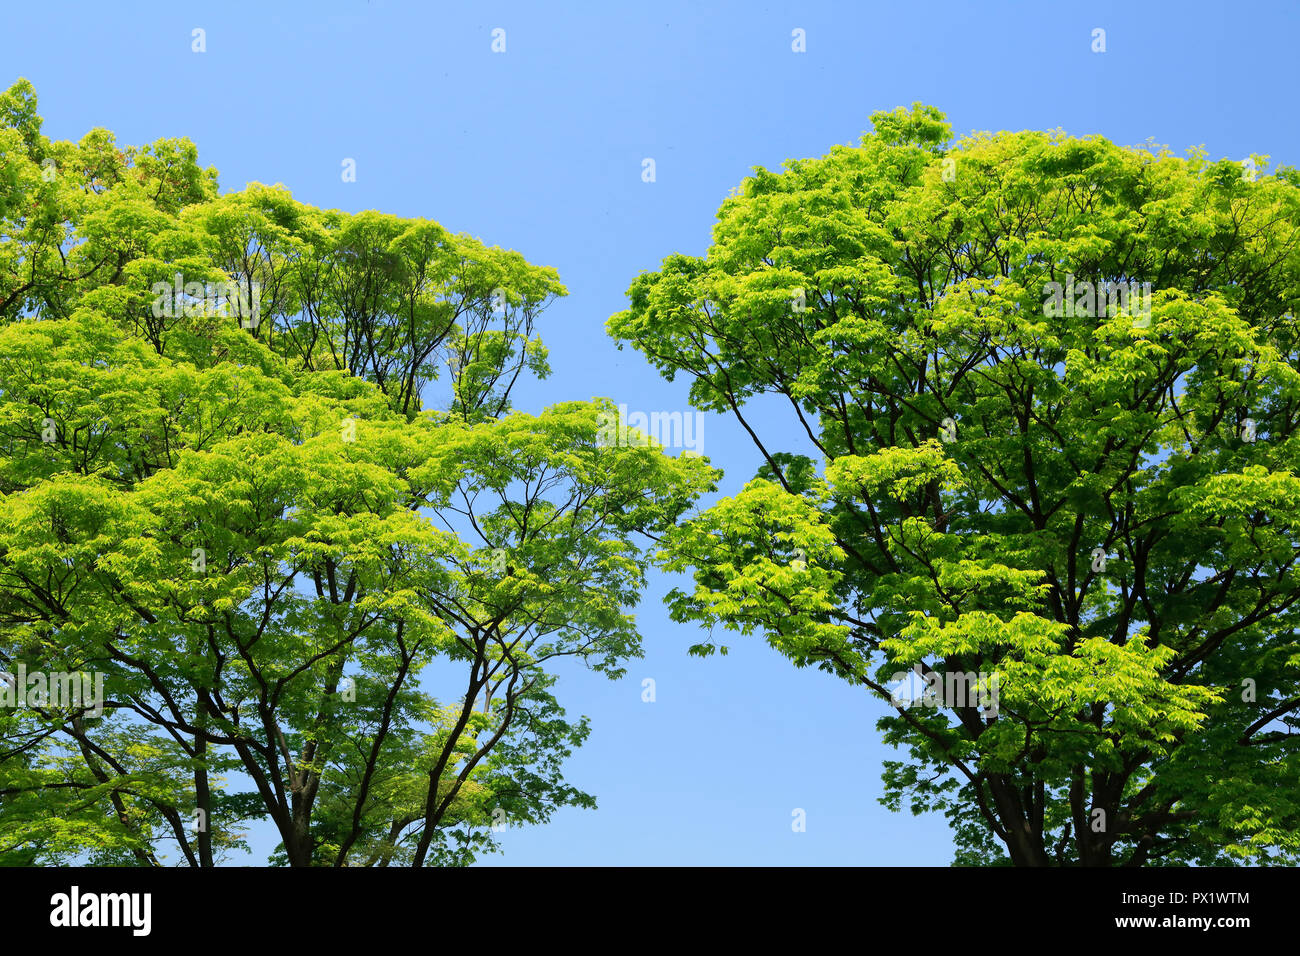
[(1096, 499), (316, 594)]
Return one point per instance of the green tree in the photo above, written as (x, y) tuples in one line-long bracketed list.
[(259, 469), (1042, 400)]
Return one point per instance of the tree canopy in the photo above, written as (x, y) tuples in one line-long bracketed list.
[(1004, 471), (260, 470)]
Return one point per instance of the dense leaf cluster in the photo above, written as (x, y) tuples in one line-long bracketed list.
[(1002, 472), (324, 567)]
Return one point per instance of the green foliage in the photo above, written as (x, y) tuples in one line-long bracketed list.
[(313, 597), (1093, 496)]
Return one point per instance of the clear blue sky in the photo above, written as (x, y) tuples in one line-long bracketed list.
[(539, 149)]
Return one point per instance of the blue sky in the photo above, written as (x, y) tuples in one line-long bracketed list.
[(540, 149)]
